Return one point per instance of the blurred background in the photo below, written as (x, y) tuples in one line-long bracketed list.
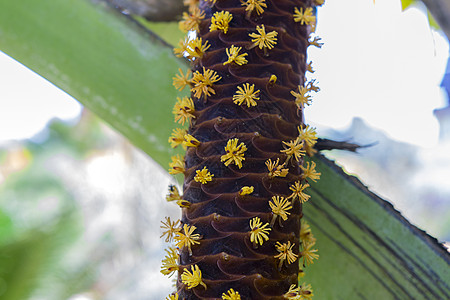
[(89, 204)]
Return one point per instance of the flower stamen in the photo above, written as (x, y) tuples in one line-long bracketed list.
[(305, 17), (259, 232), (276, 170), (231, 295), (203, 176), (183, 110), (234, 153), (285, 253), (203, 82), (234, 56), (171, 228), (297, 192), (180, 81), (252, 5), (170, 262), (280, 207), (310, 172), (264, 40), (192, 279), (177, 138), (220, 21), (177, 165), (246, 94), (186, 238)]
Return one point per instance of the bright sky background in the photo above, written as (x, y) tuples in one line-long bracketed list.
[(28, 101), (381, 64), (377, 63)]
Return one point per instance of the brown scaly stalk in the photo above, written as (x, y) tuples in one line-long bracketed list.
[(241, 235)]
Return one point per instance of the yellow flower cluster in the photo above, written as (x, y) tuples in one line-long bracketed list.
[(259, 232), (202, 83), (220, 21), (302, 292), (276, 170), (203, 176), (285, 253), (264, 40), (280, 207), (191, 20), (186, 237), (234, 153), (234, 56), (231, 295), (191, 49), (247, 95), (192, 279)]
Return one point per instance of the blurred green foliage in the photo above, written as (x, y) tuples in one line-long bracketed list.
[(39, 220)]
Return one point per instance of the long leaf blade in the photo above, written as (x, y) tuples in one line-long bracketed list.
[(367, 249), (109, 63)]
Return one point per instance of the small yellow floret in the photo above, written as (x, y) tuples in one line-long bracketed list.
[(234, 153), (309, 255), (259, 232), (263, 39), (246, 190), (310, 172), (297, 192), (280, 207), (203, 82), (177, 165), (319, 2), (285, 253), (292, 293), (192, 279), (170, 228), (308, 134), (276, 170), (311, 87), (180, 81), (182, 48), (306, 235), (316, 42), (254, 5), (246, 94), (195, 48), (234, 56), (177, 137), (310, 151), (172, 297), (304, 17), (306, 292), (192, 19), (220, 21), (309, 68), (231, 295), (301, 98), (170, 262), (203, 176), (183, 110), (294, 148), (273, 79), (186, 238), (190, 141), (183, 203), (173, 193)]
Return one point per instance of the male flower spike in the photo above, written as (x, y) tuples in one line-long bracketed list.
[(245, 178)]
